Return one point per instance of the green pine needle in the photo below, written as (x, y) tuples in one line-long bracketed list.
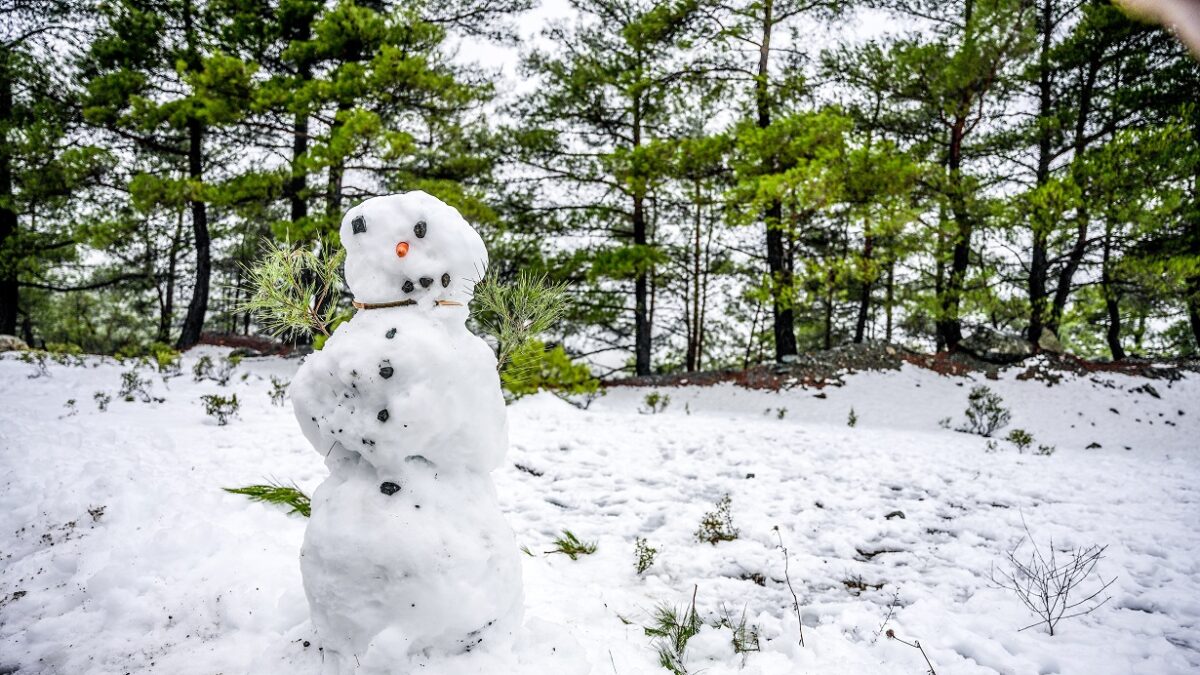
[(514, 313), (277, 493), (570, 545), (293, 291)]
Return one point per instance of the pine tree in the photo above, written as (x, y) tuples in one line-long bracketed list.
[(157, 80), (589, 129), (42, 164)]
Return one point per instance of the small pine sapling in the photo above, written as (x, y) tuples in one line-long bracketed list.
[(293, 291), (71, 409), (203, 368), (102, 399), (1020, 438), (852, 419), (278, 390), (671, 631), (570, 545), (220, 407), (166, 359), (654, 403), (985, 412), (1046, 450), (717, 525), (780, 413), (745, 636), (644, 553), (277, 493), (133, 387)]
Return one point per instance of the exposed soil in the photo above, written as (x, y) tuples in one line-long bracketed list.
[(823, 368)]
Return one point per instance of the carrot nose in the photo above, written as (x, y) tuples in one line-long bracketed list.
[(402, 249)]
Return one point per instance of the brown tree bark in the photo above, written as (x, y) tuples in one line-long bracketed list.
[(1039, 263), (193, 322), (10, 290), (777, 248)]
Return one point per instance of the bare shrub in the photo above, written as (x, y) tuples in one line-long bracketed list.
[(1050, 583)]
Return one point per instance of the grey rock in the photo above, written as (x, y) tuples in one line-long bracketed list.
[(1048, 342), (12, 343), (995, 347)]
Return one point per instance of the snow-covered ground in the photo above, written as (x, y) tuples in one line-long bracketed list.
[(119, 552)]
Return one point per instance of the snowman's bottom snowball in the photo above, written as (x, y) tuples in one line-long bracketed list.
[(538, 648), (426, 567)]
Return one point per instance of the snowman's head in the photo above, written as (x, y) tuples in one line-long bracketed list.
[(412, 246)]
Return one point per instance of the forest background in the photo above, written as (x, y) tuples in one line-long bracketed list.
[(721, 183)]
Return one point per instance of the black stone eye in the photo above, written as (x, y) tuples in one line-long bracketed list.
[(408, 286), (389, 488), (425, 282), (390, 334), (386, 372), (419, 229), (383, 415), (358, 225), (445, 279)]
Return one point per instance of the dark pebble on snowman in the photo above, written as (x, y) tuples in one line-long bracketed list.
[(390, 334), (419, 229), (426, 282), (386, 372), (358, 225), (383, 415), (389, 488), (408, 286), (445, 279)]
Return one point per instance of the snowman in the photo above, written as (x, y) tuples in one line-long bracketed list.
[(407, 555)]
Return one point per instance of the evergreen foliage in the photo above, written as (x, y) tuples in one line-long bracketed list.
[(514, 313), (277, 493), (715, 190), (293, 291)]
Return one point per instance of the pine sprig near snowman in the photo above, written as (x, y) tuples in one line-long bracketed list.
[(407, 557)]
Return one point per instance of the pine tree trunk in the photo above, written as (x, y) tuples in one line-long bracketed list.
[(949, 323), (864, 299), (1111, 302), (781, 278), (1193, 305), (641, 316), (693, 337), (298, 183), (890, 295), (641, 310), (168, 307), (1038, 263), (193, 322), (10, 290)]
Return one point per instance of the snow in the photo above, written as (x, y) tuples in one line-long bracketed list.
[(176, 576)]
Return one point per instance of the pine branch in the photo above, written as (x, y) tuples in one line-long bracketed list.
[(277, 493), (516, 312), (291, 290)]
